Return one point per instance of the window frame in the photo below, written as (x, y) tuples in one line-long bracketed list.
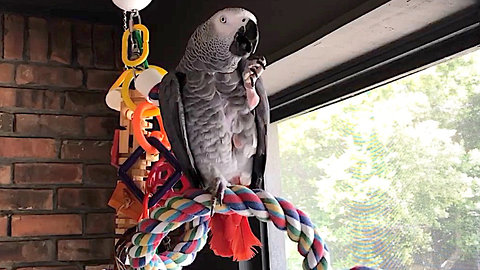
[(454, 35)]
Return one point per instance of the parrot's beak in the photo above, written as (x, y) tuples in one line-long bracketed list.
[(246, 40)]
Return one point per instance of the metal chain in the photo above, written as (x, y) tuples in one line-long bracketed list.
[(137, 14), (134, 14), (135, 49), (128, 22), (125, 27)]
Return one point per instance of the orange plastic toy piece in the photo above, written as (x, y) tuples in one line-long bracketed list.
[(138, 131)]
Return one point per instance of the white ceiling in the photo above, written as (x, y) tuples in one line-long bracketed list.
[(383, 25)]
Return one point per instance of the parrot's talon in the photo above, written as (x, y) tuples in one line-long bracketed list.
[(212, 210), (254, 72), (220, 193), (262, 64), (217, 190)]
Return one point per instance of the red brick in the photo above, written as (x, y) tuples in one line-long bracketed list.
[(3, 226), (104, 175), (82, 102), (47, 173), (85, 249), (100, 126), (25, 199), (66, 267), (6, 122), (13, 36), (51, 76), (27, 148), (27, 251), (83, 42), (5, 174), (37, 225), (30, 99), (37, 39), (61, 41), (87, 150), (101, 79), (51, 100), (7, 72), (49, 125), (1, 39), (7, 97), (103, 47), (99, 267), (100, 223), (83, 198)]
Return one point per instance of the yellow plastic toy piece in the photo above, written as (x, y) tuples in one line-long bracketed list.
[(146, 50), (160, 70), (120, 80), (126, 91)]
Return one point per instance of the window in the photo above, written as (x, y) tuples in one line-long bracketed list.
[(392, 176)]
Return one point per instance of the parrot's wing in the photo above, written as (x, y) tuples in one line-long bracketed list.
[(173, 116), (262, 119)]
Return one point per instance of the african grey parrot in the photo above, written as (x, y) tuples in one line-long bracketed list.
[(214, 107)]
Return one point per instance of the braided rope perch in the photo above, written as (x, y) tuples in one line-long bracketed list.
[(193, 209)]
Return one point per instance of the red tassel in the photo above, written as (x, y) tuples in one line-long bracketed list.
[(244, 242), (220, 244), (233, 237)]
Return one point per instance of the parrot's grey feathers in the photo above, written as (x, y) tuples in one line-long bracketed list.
[(215, 110), (171, 107), (262, 119)]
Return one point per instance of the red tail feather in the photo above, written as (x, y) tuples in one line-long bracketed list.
[(233, 237)]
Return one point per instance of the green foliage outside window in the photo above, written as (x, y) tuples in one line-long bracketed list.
[(391, 177)]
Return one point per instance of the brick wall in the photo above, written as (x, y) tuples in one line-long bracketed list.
[(55, 138)]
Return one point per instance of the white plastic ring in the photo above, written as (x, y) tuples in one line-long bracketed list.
[(147, 80)]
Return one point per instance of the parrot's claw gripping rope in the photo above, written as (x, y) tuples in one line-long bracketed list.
[(212, 210), (220, 191), (218, 194)]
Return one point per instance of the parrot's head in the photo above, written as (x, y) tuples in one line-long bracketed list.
[(239, 27), (222, 41)]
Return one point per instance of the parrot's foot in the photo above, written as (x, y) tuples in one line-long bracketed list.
[(218, 193), (253, 70)]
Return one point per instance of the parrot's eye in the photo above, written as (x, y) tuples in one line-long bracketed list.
[(223, 19), (243, 20)]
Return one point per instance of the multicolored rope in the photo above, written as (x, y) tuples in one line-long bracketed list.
[(193, 209)]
